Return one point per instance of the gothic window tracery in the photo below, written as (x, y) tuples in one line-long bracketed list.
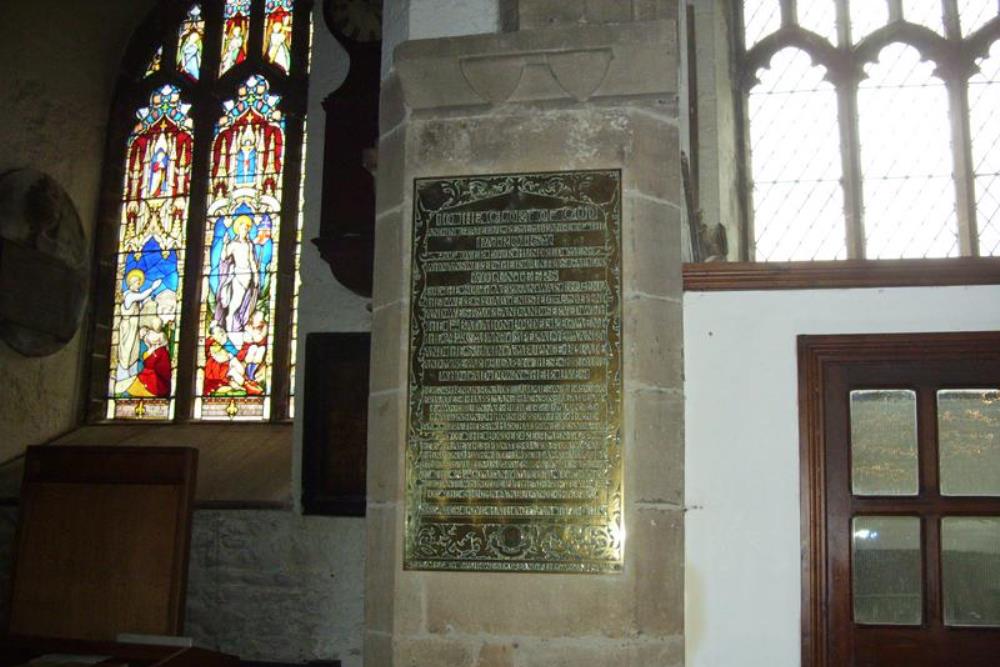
[(870, 128), (205, 254)]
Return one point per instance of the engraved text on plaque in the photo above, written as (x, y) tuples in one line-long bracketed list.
[(514, 452)]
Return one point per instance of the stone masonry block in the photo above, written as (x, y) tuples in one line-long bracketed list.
[(594, 652), (380, 567), (428, 652), (645, 146), (653, 343), (612, 61), (391, 280), (652, 10), (651, 240), (378, 649), (657, 554), (392, 109), (607, 11), (539, 605), (386, 434), (389, 187), (390, 326), (496, 655), (535, 14), (655, 442), (653, 158)]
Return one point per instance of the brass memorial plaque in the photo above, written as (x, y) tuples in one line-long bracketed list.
[(514, 452)]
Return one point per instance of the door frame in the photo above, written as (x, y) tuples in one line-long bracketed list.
[(817, 356)]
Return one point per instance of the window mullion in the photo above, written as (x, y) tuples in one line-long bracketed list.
[(281, 356), (850, 155), (961, 143), (789, 13), (957, 73), (204, 120), (845, 77), (205, 114)]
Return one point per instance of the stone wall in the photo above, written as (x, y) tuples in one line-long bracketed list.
[(60, 60), (519, 113), (263, 585), (276, 586)]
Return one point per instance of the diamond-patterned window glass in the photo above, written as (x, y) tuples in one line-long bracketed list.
[(974, 14), (909, 194), (867, 16), (984, 107), (760, 19), (928, 13), (795, 162), (819, 16)]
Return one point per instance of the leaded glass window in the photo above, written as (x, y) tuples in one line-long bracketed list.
[(203, 271), (871, 128)]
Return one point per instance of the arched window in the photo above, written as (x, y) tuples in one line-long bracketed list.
[(870, 128), (199, 240)]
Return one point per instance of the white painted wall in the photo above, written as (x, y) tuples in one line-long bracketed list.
[(742, 464)]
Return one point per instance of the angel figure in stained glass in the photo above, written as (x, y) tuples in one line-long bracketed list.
[(233, 49), (279, 43), (239, 283), (190, 50)]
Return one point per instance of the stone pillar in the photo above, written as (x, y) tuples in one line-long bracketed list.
[(563, 97)]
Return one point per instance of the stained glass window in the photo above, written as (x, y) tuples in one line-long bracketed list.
[(223, 361), (278, 33), (190, 44), (238, 290), (151, 244), (235, 31)]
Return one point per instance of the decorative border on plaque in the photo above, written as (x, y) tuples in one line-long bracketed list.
[(514, 456)]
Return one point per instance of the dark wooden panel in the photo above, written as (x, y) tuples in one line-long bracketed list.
[(335, 426), (103, 541)]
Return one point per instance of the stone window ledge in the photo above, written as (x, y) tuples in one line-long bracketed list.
[(240, 466)]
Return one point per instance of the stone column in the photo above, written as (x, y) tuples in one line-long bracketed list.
[(551, 97)]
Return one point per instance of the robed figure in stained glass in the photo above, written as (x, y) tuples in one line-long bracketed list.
[(239, 282), (244, 215), (245, 160)]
